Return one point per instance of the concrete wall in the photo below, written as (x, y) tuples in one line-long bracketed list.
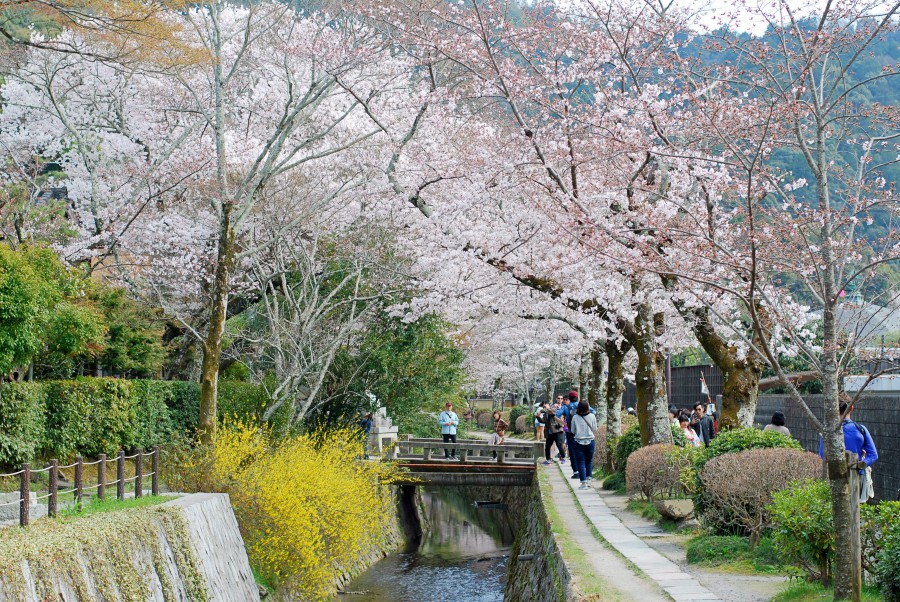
[(187, 550), (879, 413), (544, 576)]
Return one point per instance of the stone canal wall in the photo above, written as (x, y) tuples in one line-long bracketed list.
[(188, 549), (536, 569)]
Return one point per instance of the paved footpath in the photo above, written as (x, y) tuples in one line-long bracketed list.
[(681, 586)]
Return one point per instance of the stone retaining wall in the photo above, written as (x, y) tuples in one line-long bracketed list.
[(536, 570), (187, 550)]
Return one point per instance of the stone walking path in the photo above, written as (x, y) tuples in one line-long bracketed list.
[(681, 586)]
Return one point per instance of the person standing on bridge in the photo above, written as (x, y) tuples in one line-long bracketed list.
[(584, 424), (449, 421)]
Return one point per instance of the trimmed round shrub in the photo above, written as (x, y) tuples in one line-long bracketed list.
[(523, 424), (484, 420), (802, 529), (736, 488), (514, 415), (627, 444), (737, 440), (649, 474)]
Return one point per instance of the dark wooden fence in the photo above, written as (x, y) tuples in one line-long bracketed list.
[(685, 386), (879, 413), (78, 488)]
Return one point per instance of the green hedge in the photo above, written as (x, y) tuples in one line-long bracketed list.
[(23, 423), (89, 416)]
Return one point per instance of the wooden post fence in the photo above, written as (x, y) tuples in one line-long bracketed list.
[(53, 473), (139, 473), (25, 495), (154, 480), (120, 476), (53, 498), (79, 479), (101, 477)]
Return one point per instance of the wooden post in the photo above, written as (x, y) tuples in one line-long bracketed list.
[(154, 480), (855, 543), (79, 479), (101, 477), (53, 499), (25, 495), (139, 474), (120, 476)]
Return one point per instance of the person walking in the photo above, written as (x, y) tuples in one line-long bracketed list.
[(584, 425), (703, 424), (449, 421), (567, 411), (777, 424), (552, 432)]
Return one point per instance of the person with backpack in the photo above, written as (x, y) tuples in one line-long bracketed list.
[(584, 424), (566, 412), (553, 432), (858, 440)]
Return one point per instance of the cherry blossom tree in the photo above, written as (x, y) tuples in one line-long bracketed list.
[(799, 90)]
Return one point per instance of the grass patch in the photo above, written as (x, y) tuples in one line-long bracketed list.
[(644, 508), (615, 482), (112, 504), (732, 553), (588, 583), (262, 581), (802, 591)]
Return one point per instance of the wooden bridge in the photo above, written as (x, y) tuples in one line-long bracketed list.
[(477, 463)]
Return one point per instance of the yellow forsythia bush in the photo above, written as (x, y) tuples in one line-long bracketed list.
[(308, 507)]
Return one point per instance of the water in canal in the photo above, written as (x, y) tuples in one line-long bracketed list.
[(462, 555)]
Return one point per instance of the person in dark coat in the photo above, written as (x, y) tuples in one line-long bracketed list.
[(703, 424)]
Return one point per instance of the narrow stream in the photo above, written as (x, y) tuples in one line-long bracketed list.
[(462, 556)]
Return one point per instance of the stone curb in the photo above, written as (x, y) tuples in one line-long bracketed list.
[(681, 586)]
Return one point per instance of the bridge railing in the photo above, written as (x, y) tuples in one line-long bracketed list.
[(473, 451)]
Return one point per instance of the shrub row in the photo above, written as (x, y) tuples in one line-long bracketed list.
[(89, 416)]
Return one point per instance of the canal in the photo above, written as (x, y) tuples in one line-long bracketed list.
[(462, 554)]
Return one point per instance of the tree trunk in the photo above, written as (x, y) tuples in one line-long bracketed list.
[(212, 346), (740, 394), (650, 378), (615, 388), (741, 375), (595, 392)]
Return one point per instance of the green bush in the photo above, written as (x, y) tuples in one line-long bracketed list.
[(89, 416), (22, 423), (627, 444), (678, 437), (803, 532), (713, 550), (517, 411), (881, 546)]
